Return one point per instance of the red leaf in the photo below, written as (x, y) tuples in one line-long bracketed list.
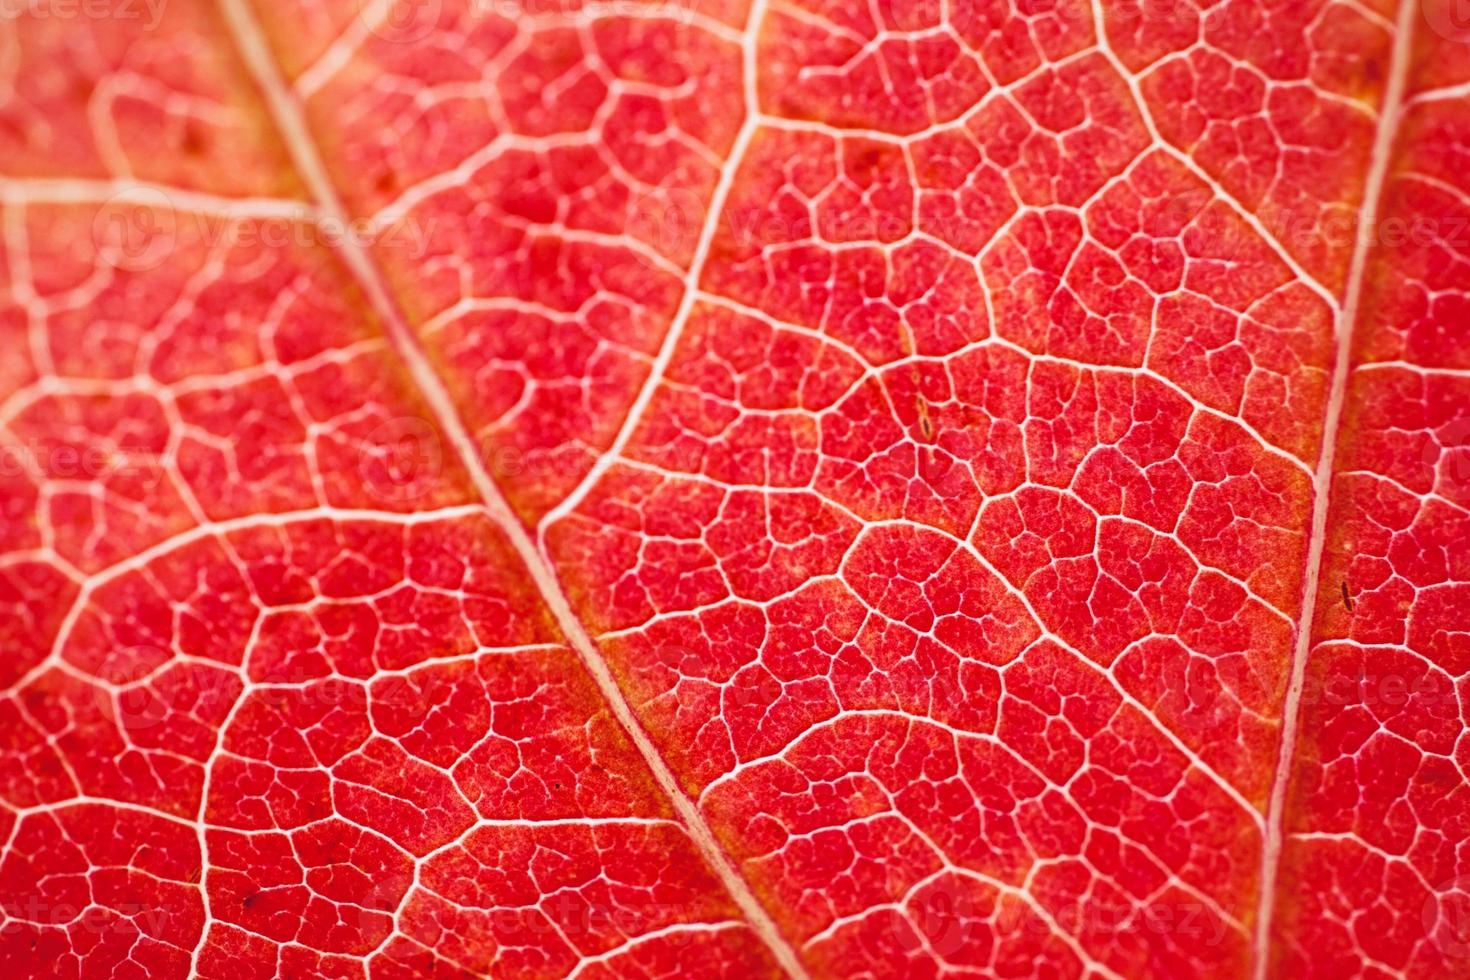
[(719, 489)]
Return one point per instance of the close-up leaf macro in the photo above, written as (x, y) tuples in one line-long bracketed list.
[(694, 489)]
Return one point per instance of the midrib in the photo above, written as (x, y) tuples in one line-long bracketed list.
[(286, 111), (1347, 318), (296, 135)]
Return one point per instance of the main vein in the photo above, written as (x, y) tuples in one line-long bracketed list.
[(286, 111), (1378, 163)]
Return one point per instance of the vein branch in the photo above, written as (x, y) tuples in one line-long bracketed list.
[(691, 294), (1388, 123), (286, 111)]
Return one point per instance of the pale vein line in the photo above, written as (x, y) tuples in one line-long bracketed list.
[(605, 958), (339, 53), (1388, 121), (873, 370), (80, 190), (1440, 94), (748, 127), (286, 111), (1424, 370), (1145, 114), (217, 530)]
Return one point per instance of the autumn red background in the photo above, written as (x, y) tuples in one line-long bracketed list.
[(832, 489)]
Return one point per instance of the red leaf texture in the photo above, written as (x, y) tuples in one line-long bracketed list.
[(810, 488)]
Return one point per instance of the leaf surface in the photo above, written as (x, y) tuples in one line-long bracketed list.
[(809, 488)]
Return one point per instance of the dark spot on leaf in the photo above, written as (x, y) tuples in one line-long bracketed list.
[(926, 424), (1347, 600), (250, 899), (194, 141)]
